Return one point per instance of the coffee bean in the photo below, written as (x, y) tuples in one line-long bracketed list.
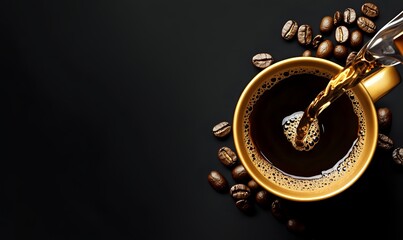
[(350, 57), (289, 30), (239, 174), (317, 40), (245, 205), (262, 198), (366, 25), (341, 34), (326, 25), (340, 52), (222, 129), (356, 39), (278, 210), (296, 226), (384, 116), (397, 156), (304, 34), (217, 181), (227, 156), (253, 185), (370, 10), (262, 60), (385, 142), (349, 15), (307, 53), (240, 191), (337, 18), (325, 49)]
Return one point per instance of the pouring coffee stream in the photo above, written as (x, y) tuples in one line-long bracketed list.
[(385, 49)]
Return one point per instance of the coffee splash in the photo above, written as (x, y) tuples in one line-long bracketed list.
[(385, 49), (290, 126)]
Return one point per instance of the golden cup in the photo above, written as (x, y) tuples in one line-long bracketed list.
[(368, 91)]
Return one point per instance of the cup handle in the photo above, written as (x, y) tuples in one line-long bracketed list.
[(381, 82)]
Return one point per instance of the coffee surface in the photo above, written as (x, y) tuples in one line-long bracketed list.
[(338, 125)]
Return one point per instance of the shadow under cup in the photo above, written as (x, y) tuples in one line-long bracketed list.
[(270, 175)]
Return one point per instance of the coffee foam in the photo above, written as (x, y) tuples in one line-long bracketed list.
[(284, 180)]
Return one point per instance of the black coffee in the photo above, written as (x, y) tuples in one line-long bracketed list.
[(339, 127)]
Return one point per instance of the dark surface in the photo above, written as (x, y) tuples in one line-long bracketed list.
[(107, 116)]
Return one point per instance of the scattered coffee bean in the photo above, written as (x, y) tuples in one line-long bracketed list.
[(397, 156), (384, 115), (370, 10), (349, 15), (307, 53), (218, 181), (317, 40), (296, 226), (326, 25), (227, 156), (385, 142), (278, 211), (262, 60), (239, 174), (289, 30), (253, 185), (244, 205), (262, 198), (340, 52), (341, 34), (356, 39), (366, 24), (304, 35), (222, 129), (240, 191), (325, 49), (350, 57), (337, 18)]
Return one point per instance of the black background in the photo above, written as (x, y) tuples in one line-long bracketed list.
[(108, 110)]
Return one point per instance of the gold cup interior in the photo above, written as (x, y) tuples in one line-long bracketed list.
[(261, 171)]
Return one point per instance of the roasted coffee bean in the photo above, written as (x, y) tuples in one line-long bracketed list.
[(356, 39), (307, 53), (289, 30), (253, 185), (239, 174), (385, 142), (341, 34), (262, 60), (296, 226), (340, 52), (222, 129), (240, 191), (325, 49), (337, 18), (370, 10), (326, 25), (245, 205), (350, 57), (218, 181), (227, 156), (384, 116), (397, 155), (304, 35), (278, 211), (262, 198), (366, 24), (317, 40), (349, 15)]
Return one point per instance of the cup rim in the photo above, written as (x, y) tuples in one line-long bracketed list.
[(238, 131)]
